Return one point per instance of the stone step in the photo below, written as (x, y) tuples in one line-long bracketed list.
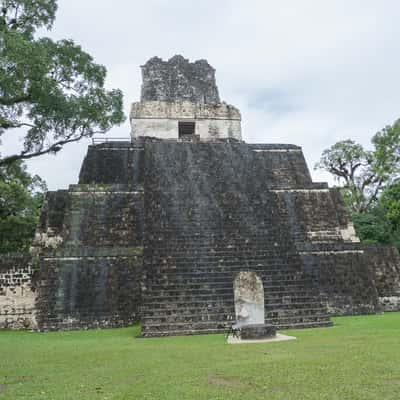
[(222, 312), (225, 294), (224, 330), (216, 263), (159, 333), (262, 246), (209, 303), (185, 297), (171, 286), (219, 272), (203, 280), (231, 236), (170, 257), (199, 278), (196, 301), (288, 323), (191, 273), (198, 314)]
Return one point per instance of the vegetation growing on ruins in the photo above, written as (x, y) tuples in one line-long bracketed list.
[(356, 359), (370, 185), (51, 89)]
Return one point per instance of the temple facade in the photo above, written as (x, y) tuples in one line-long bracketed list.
[(188, 229), (180, 101)]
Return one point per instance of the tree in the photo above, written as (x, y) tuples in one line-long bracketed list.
[(51, 89), (21, 197), (381, 224), (389, 202), (364, 174)]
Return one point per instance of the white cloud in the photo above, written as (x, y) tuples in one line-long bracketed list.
[(308, 72)]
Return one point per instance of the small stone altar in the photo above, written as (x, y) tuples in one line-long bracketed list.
[(259, 331)]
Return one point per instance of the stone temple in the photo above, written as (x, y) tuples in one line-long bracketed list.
[(188, 229)]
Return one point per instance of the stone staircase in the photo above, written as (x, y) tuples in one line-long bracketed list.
[(207, 218), (188, 287)]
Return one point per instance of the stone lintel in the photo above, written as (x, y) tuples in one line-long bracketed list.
[(183, 109)]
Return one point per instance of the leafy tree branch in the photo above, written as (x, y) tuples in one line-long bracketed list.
[(52, 89)]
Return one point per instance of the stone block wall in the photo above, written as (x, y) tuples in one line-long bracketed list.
[(345, 278), (317, 215), (281, 166), (210, 214), (81, 292), (17, 294), (114, 163), (90, 276), (179, 79), (385, 262)]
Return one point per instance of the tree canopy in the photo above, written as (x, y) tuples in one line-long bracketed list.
[(362, 173), (51, 89), (370, 183), (381, 223)]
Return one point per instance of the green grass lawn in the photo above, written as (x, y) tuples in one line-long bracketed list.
[(358, 358)]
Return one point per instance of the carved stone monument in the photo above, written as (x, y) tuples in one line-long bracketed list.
[(249, 299), (249, 307)]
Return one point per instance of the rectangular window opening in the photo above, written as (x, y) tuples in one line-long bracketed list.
[(186, 129)]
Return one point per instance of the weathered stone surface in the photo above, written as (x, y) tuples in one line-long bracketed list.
[(344, 275), (178, 79), (17, 294), (92, 277), (249, 299), (195, 233), (385, 262), (259, 331), (161, 119), (212, 212), (159, 231), (177, 91)]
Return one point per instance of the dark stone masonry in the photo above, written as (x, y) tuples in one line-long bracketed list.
[(178, 79), (159, 230), (262, 331)]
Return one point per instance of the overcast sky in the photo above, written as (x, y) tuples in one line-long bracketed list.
[(307, 72)]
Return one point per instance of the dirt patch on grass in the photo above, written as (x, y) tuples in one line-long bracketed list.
[(222, 381), (3, 388), (392, 381)]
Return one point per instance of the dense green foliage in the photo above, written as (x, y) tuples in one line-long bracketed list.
[(21, 197), (364, 174), (51, 90), (381, 223), (357, 359)]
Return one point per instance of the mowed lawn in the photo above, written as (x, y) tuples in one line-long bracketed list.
[(358, 358)]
